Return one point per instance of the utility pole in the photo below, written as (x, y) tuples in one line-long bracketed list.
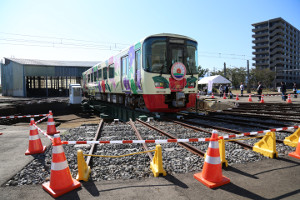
[(248, 77), (225, 69)]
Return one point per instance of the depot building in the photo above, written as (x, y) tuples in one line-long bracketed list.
[(40, 78)]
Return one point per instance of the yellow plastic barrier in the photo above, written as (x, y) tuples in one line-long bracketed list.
[(267, 145), (156, 165), (292, 140), (222, 151), (83, 169)]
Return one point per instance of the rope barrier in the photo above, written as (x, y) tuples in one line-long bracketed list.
[(120, 155), (141, 141), (243, 139), (178, 140), (259, 132), (23, 116), (43, 132), (41, 119)]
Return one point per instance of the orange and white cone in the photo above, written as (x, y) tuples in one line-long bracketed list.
[(250, 99), (51, 130), (224, 96), (262, 99), (237, 97), (61, 181), (289, 100), (296, 154), (212, 95), (35, 143), (211, 174)]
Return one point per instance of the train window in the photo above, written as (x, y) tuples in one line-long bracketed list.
[(125, 65), (92, 77), (138, 60), (155, 52), (100, 74), (95, 76), (105, 73), (89, 78), (191, 59), (111, 71)]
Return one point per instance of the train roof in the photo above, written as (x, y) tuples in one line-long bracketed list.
[(170, 35), (141, 41)]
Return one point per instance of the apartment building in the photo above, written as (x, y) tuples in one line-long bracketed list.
[(277, 47)]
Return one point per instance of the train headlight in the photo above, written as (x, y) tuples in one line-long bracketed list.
[(159, 85), (191, 85)]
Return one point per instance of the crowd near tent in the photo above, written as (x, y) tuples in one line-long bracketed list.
[(211, 80)]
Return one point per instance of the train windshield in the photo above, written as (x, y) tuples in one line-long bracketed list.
[(160, 53)]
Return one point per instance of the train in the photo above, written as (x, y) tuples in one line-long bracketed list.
[(158, 74)]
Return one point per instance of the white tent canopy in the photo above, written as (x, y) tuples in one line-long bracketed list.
[(218, 79)]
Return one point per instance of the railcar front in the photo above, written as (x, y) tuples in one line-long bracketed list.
[(169, 74)]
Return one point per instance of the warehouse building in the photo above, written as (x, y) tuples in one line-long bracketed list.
[(40, 78)]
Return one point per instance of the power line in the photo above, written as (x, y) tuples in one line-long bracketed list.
[(56, 46), (62, 38)]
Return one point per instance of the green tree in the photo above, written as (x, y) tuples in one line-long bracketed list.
[(202, 71), (266, 76)]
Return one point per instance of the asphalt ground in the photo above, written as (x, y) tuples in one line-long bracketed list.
[(267, 179)]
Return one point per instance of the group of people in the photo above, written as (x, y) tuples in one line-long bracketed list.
[(283, 90), (259, 90), (225, 89)]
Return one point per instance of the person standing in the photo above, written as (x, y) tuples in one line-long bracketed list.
[(259, 90), (242, 88), (221, 90), (283, 91), (295, 90), (226, 90)]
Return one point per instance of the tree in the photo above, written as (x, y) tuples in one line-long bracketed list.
[(201, 71), (266, 76)]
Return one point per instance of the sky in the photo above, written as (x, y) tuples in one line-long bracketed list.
[(94, 30)]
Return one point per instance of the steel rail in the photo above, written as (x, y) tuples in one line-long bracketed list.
[(183, 144), (138, 135), (253, 115), (199, 129), (97, 136)]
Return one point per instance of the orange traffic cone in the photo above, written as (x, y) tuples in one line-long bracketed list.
[(237, 97), (224, 96), (250, 99), (212, 95), (61, 181), (35, 143), (289, 100), (51, 130), (262, 99), (296, 154), (211, 174)]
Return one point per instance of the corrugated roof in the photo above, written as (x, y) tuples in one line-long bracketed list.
[(54, 62)]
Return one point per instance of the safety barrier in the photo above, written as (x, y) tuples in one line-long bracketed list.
[(23, 116), (156, 164), (139, 141), (43, 132), (177, 140)]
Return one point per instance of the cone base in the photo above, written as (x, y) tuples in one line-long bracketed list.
[(293, 154), (53, 133), (57, 193), (210, 184), (35, 152)]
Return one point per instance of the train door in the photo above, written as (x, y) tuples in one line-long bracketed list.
[(125, 71), (138, 69)]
